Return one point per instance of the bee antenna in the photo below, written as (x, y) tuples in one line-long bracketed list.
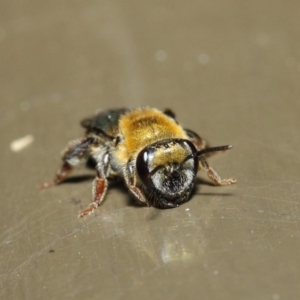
[(214, 149)]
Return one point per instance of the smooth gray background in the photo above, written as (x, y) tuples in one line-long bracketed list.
[(231, 72)]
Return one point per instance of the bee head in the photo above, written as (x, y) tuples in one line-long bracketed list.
[(167, 170)]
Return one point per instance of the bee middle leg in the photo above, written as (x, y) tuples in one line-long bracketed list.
[(99, 185)]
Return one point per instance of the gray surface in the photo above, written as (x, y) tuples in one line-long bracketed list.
[(231, 71)]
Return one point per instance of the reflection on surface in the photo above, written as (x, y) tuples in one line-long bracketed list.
[(182, 249), (163, 236)]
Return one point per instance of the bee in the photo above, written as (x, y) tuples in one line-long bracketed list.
[(157, 158)]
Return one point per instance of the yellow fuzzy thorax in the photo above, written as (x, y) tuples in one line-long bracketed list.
[(143, 127)]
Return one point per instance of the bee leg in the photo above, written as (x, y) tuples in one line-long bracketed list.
[(137, 193), (61, 174), (130, 180), (76, 152), (99, 185), (212, 174)]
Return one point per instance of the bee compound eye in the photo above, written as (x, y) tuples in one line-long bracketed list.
[(143, 160)]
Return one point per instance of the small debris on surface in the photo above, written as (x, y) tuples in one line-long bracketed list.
[(21, 143)]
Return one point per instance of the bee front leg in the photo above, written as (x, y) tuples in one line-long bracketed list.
[(76, 152), (99, 185), (212, 174), (131, 180)]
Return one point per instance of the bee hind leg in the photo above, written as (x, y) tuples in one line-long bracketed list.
[(61, 174), (76, 152)]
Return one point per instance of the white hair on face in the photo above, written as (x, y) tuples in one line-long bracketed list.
[(187, 174)]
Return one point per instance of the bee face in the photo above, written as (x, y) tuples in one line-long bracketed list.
[(167, 170)]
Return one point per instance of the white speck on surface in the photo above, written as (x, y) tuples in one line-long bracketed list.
[(216, 272), (187, 209), (161, 55), (275, 297), (21, 143), (203, 59)]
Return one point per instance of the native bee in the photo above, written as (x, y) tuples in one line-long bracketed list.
[(155, 156)]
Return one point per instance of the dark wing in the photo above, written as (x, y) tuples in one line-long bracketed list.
[(105, 123)]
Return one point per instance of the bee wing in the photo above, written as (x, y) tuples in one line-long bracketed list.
[(104, 123)]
